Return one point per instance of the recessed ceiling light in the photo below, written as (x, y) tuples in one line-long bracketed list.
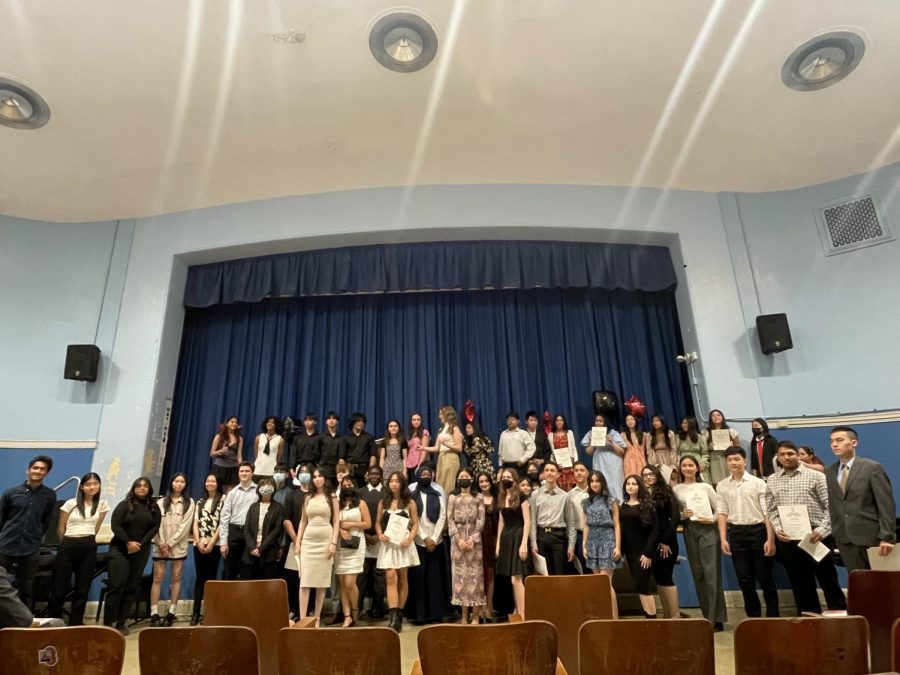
[(21, 107), (403, 42), (823, 61)]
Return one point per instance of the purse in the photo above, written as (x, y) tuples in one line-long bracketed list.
[(352, 542)]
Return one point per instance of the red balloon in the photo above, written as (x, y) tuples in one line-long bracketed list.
[(469, 411), (636, 407)]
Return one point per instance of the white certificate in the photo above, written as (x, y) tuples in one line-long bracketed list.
[(563, 457), (794, 520), (540, 564), (887, 563), (397, 528), (292, 560), (598, 437), (696, 500), (721, 439), (817, 550)]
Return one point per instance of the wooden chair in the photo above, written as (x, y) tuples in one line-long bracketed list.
[(876, 596), (205, 650), (259, 605), (79, 650), (338, 651), (567, 602), (895, 645), (801, 646), (670, 646), (523, 648)]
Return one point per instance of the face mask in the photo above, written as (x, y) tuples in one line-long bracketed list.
[(465, 483), (534, 475), (278, 478), (425, 481), (304, 477), (507, 484), (266, 490)]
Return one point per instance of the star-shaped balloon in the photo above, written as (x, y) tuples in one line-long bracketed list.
[(548, 422), (469, 411), (636, 407)]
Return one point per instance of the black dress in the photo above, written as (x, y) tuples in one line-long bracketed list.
[(637, 539), (509, 564), (667, 514)]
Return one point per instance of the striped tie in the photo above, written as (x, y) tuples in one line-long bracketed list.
[(846, 473)]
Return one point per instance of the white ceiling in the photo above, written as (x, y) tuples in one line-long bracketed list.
[(166, 106)]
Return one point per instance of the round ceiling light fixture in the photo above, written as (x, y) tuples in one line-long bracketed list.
[(21, 107), (823, 61), (403, 42)]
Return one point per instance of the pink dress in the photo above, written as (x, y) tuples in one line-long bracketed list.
[(414, 452), (635, 458)]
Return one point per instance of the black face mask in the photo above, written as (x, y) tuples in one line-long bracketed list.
[(534, 475), (507, 484), (465, 483), (425, 481)]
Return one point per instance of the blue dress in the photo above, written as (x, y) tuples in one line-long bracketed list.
[(601, 533)]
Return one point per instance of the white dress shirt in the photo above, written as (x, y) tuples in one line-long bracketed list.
[(742, 501), (516, 446)]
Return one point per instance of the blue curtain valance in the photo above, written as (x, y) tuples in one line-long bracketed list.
[(432, 266)]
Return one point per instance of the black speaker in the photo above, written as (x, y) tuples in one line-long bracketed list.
[(82, 362), (774, 333)]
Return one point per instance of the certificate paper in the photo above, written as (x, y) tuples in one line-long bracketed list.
[(887, 563), (563, 457), (697, 501), (397, 528), (817, 550), (598, 437), (721, 439), (795, 521), (540, 564)]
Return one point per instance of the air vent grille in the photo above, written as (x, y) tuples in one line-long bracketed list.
[(850, 225)]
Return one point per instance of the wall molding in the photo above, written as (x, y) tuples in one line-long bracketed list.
[(47, 445), (875, 417)]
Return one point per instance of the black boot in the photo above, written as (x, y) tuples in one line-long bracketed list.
[(399, 620), (394, 619)]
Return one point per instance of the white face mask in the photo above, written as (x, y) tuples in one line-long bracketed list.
[(278, 478), (266, 490)]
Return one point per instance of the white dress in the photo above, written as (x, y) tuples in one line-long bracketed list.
[(391, 556), (265, 464), (350, 560)]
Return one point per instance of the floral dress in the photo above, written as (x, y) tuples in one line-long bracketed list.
[(478, 451), (465, 516)]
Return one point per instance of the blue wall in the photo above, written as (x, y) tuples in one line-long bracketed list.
[(67, 462)]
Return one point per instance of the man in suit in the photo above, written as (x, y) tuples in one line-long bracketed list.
[(860, 500)]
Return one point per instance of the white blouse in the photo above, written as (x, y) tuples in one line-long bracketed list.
[(86, 525)]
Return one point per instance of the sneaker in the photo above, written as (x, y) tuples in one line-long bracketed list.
[(170, 619), (155, 621)]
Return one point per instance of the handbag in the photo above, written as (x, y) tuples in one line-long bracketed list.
[(352, 542)]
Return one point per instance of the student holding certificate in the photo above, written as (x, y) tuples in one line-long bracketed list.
[(701, 538), (719, 437), (607, 458), (565, 452), (797, 500), (397, 524)]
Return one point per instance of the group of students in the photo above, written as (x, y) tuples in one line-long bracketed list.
[(426, 540)]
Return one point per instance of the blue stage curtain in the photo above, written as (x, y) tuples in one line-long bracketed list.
[(435, 266), (388, 355)]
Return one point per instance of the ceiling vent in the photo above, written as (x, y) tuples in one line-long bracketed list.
[(850, 225)]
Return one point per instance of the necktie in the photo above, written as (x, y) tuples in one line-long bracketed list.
[(846, 473)]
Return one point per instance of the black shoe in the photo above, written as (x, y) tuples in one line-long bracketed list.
[(123, 629), (376, 613), (718, 627), (399, 620), (649, 616), (394, 619), (170, 619), (195, 620), (155, 621)]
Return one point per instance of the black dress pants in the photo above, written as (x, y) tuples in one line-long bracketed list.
[(123, 580), (553, 545), (25, 568), (751, 566), (372, 583), (803, 571), (235, 558), (206, 566), (78, 556)]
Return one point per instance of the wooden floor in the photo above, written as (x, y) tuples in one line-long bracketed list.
[(724, 644)]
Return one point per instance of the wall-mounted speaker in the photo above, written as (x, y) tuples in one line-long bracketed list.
[(82, 363), (774, 333)]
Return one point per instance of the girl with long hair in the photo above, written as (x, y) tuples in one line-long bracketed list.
[(809, 459), (692, 442), (317, 541), (478, 449), (170, 545), (355, 519), (701, 538), (207, 511), (718, 469), (227, 451), (513, 559), (394, 449), (466, 517), (417, 439), (80, 519), (639, 537), (662, 448), (394, 557), (636, 442), (135, 521), (562, 440), (447, 445), (666, 554), (602, 535)]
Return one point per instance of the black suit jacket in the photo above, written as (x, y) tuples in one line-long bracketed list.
[(371, 498), (542, 449), (273, 528), (770, 449), (866, 514)]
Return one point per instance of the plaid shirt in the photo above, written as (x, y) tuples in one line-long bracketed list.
[(802, 486)]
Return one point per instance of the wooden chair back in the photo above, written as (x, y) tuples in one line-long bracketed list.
[(895, 645), (79, 650), (670, 646), (338, 651), (259, 605), (204, 650), (526, 648), (876, 596), (802, 646), (567, 602)]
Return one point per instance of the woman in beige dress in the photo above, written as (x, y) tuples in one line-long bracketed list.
[(317, 541), (447, 445)]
